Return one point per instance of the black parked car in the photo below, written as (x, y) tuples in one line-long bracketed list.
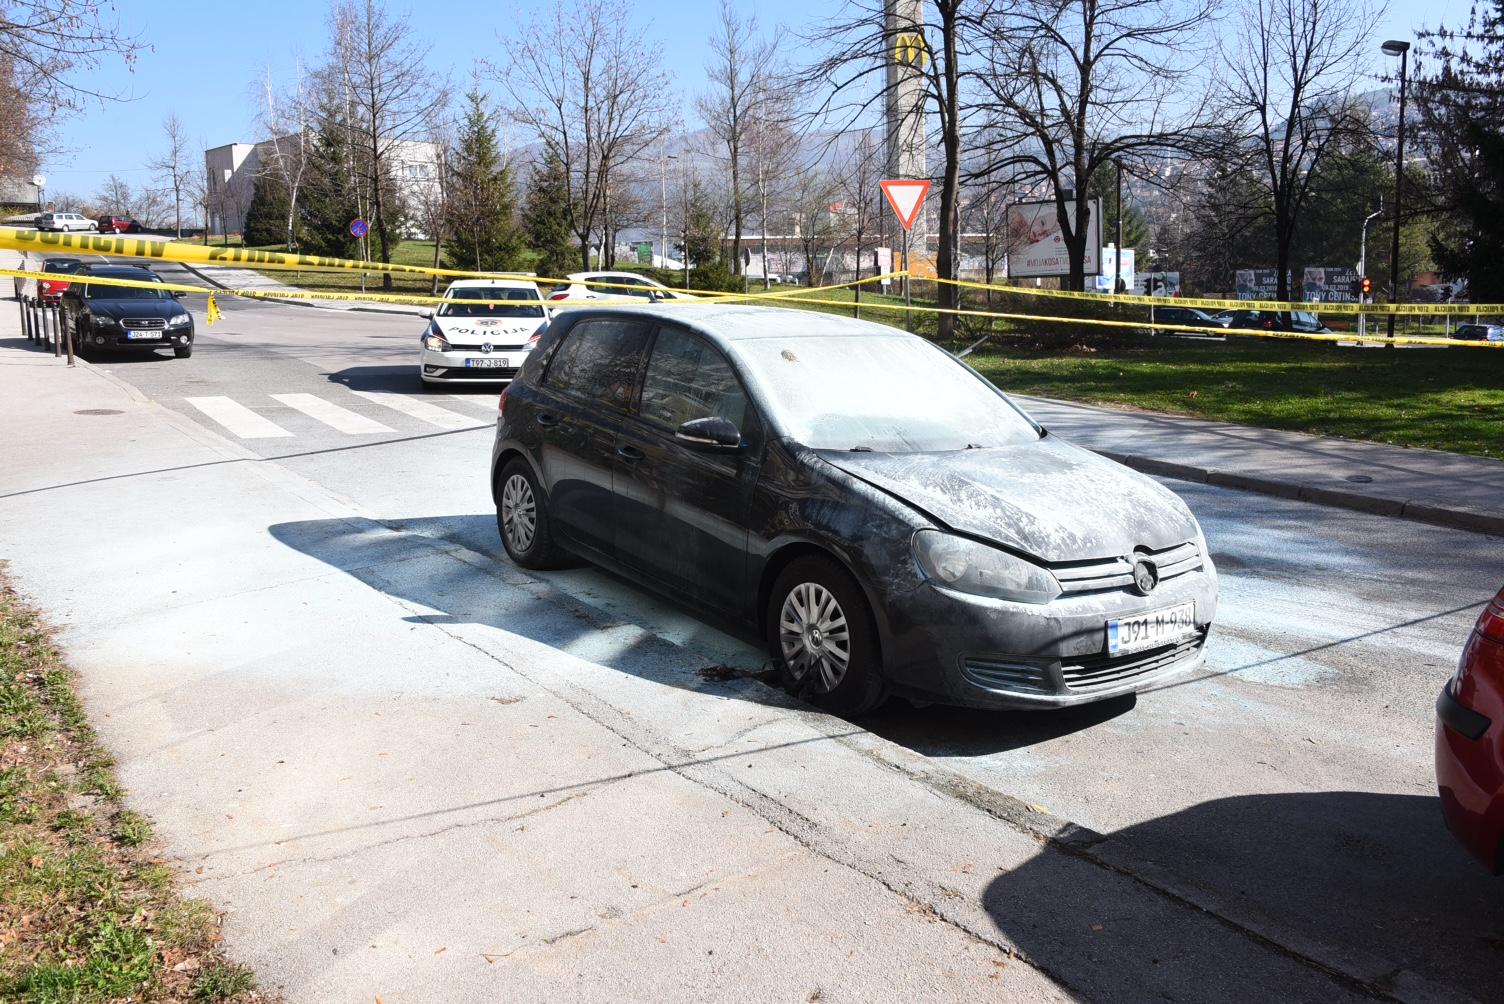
[(887, 518), (125, 317), (1273, 320), (1187, 315)]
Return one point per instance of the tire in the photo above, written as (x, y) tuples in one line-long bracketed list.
[(806, 649), (134, 228), (518, 494), (182, 351)]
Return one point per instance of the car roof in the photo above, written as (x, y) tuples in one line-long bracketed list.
[(743, 322), (56, 258), (122, 272), (521, 282), (578, 276)]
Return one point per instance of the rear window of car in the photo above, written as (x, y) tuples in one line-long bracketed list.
[(599, 360), (62, 266), (492, 301)]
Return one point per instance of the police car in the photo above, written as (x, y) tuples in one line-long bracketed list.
[(482, 331)]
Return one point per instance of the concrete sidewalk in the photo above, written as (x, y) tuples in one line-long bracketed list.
[(1447, 489)]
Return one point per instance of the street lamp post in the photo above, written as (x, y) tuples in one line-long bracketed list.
[(40, 181), (663, 196), (1402, 50)]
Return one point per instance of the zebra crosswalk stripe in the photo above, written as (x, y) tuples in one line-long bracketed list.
[(332, 415), (443, 418), (237, 418)]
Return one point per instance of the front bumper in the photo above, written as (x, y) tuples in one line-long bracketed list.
[(116, 337), (472, 365), (980, 652)]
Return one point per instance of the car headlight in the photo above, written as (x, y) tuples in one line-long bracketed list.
[(971, 567), (435, 342), (103, 322), (180, 321)]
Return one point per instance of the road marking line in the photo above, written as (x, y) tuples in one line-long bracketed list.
[(342, 419), (487, 403), (239, 419), (421, 410)]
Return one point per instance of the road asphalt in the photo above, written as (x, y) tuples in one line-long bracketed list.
[(410, 770)]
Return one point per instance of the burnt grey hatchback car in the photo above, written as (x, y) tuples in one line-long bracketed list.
[(889, 521)]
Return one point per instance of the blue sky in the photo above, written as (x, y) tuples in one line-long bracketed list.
[(206, 60)]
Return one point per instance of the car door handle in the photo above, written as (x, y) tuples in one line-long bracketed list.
[(547, 418), (630, 454)]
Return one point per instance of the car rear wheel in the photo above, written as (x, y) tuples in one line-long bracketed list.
[(823, 637), (522, 518)]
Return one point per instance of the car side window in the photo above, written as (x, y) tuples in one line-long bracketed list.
[(687, 379), (599, 360)]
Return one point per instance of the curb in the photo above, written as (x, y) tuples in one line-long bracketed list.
[(1454, 517), (299, 303)]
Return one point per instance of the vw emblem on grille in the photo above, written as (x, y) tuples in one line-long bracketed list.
[(485, 346), (1145, 577)]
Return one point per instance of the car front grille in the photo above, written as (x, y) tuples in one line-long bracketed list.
[(144, 323), (1117, 573), (1102, 672)]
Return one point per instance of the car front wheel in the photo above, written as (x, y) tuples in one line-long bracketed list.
[(182, 351), (522, 518), (823, 637)]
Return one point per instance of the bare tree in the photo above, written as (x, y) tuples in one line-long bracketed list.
[(48, 50), (1293, 68), (1074, 88), (870, 43), (740, 61), (584, 82), (173, 167), (771, 148), (117, 196), (431, 201), (391, 97), (863, 171), (811, 220), (286, 118)]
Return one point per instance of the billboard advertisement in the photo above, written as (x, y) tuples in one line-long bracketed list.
[(1325, 284), (1258, 283), (1038, 246)]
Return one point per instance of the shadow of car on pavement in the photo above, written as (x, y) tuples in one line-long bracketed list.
[(1365, 884)]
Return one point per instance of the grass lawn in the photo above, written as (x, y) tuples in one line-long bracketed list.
[(88, 912), (1445, 399)]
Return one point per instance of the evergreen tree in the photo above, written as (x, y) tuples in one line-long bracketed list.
[(328, 204), (1462, 106), (483, 197), (266, 217), (545, 219)]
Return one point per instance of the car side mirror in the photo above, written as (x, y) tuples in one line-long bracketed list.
[(711, 432), (426, 314), (176, 294)]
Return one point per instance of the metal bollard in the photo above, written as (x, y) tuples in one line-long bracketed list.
[(57, 343), (69, 337), (24, 306)]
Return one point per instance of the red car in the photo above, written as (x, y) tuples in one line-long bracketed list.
[(48, 290), (118, 225), (1470, 742)]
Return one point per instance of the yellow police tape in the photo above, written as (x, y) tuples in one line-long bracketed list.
[(175, 251), (790, 296)]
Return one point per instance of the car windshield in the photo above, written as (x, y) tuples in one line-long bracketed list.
[(1302, 317), (94, 292), (885, 393), (62, 266), (491, 301)]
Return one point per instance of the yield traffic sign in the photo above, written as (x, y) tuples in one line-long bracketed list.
[(905, 197)]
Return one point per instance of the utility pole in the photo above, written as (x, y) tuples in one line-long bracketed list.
[(1117, 258), (663, 196), (1402, 50)]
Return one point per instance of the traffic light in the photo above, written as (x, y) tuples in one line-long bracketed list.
[(1366, 285)]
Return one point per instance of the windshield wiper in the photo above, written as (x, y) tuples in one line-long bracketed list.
[(860, 449)]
